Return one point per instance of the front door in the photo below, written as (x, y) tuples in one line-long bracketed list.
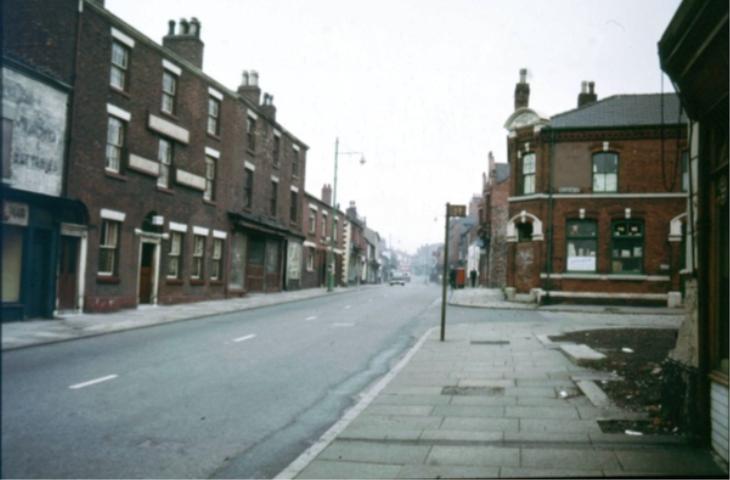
[(146, 272), (40, 294), (67, 274)]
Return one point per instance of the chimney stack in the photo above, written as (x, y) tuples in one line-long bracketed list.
[(587, 94), (492, 168), (268, 107), (249, 88), (186, 42), (522, 91), (352, 210), (327, 194)]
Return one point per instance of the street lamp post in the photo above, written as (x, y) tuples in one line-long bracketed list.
[(333, 236)]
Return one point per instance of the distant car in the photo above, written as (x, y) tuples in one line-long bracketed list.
[(397, 280)]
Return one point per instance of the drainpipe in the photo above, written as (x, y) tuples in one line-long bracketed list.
[(72, 100), (549, 259)]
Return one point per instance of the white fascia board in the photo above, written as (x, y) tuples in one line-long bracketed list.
[(215, 93), (294, 188), (171, 67), (169, 129), (109, 214), (190, 179), (178, 227), (212, 152), (118, 112), (220, 234), (200, 231), (122, 37), (249, 165), (144, 165)]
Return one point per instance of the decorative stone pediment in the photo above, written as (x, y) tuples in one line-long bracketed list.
[(524, 117)]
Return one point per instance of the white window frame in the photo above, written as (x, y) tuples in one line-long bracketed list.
[(106, 246)]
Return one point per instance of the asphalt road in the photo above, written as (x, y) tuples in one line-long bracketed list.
[(232, 396)]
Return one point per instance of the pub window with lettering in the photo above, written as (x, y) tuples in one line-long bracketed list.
[(581, 245), (627, 246)]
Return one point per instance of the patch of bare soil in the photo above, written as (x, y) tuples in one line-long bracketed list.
[(636, 355)]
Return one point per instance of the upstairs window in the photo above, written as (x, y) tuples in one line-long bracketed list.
[(605, 172), (209, 192), (276, 150), (164, 156), (312, 221), (214, 112), (627, 246), (581, 245), (324, 224), (120, 66), (334, 230), (251, 134), (169, 91), (294, 207), (248, 188), (108, 248), (114, 144), (685, 171), (528, 173), (295, 163), (274, 198)]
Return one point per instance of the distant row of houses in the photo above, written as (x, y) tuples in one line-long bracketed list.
[(131, 177)]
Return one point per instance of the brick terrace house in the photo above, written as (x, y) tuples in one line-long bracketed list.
[(597, 198), (355, 257), (494, 213), (318, 239), (192, 190)]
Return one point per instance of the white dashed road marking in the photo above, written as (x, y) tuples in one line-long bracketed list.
[(343, 324), (92, 382), (241, 339), (310, 318)]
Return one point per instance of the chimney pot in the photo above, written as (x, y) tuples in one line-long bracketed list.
[(523, 75), (244, 79), (184, 26), (522, 91), (254, 76), (591, 86), (195, 27), (587, 94), (171, 27)]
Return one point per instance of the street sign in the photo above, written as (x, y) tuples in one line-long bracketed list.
[(457, 211)]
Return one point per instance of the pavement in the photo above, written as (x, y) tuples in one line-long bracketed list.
[(79, 325), (497, 400), (493, 298)]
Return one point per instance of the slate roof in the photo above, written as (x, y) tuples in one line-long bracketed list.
[(622, 111)]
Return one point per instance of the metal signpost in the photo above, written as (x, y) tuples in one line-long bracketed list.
[(451, 211)]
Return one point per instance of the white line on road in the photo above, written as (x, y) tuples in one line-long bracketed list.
[(92, 382), (347, 307), (301, 462), (310, 318), (343, 324), (241, 339)]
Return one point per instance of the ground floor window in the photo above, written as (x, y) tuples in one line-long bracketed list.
[(524, 232), (109, 248), (238, 261), (310, 259), (217, 265), (198, 257), (12, 245), (174, 255), (582, 245), (627, 246)]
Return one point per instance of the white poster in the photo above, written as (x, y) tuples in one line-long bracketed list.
[(294, 261), (581, 264)]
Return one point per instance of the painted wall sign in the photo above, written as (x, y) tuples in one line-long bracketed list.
[(15, 213), (38, 116)]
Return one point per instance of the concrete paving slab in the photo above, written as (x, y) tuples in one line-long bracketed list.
[(481, 424), (380, 433), (447, 471), (331, 469), (476, 400), (469, 411), (547, 437), (594, 393), (541, 401), (565, 411), (558, 426), (542, 392), (461, 436), (670, 462), (406, 399), (483, 382), (581, 353), (407, 422), (419, 410), (568, 458), (375, 452), (511, 472), (474, 456)]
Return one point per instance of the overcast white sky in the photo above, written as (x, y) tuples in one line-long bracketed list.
[(422, 87)]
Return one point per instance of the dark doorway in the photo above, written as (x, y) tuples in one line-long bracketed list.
[(67, 273), (146, 272), (40, 298)]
